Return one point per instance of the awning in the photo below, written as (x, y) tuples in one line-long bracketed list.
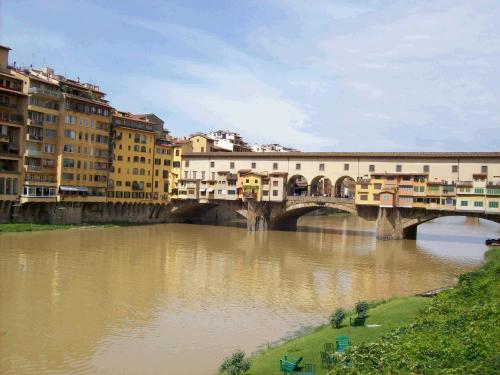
[(202, 190), (300, 183), (210, 190), (78, 189)]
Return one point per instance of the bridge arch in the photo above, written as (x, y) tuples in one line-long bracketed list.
[(345, 187), (297, 185), (287, 220), (410, 225), (321, 186)]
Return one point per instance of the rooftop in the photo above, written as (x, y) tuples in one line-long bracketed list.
[(342, 155)]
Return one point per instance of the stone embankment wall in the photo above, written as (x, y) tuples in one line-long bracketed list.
[(80, 213)]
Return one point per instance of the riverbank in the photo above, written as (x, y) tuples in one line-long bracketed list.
[(29, 227), (455, 331)]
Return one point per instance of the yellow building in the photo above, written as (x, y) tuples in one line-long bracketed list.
[(42, 129), (83, 143), (249, 185), (133, 147), (179, 147), (12, 131), (163, 179), (392, 190), (201, 143)]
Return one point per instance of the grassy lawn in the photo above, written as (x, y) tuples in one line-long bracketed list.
[(389, 315)]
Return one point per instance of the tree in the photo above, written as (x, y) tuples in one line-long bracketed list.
[(236, 364), (337, 317)]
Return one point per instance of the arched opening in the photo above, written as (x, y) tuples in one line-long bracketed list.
[(297, 186), (321, 186), (345, 187)]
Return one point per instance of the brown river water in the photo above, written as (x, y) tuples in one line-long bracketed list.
[(177, 298)]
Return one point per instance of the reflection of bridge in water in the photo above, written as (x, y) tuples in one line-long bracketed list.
[(391, 223)]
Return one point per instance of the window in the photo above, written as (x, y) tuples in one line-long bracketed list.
[(275, 183), (478, 191), (376, 197), (231, 165), (346, 167), (275, 166), (377, 186), (493, 204), (321, 167), (484, 169), (478, 204), (67, 176), (186, 164), (176, 152), (202, 175), (364, 197), (68, 163), (464, 203), (265, 193), (426, 169), (69, 134), (371, 168), (254, 165), (68, 148), (275, 193), (212, 164), (454, 168), (399, 168), (50, 133), (48, 148), (194, 174), (297, 166)]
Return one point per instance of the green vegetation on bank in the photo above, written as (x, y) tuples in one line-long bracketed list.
[(457, 332), (388, 315), (24, 227)]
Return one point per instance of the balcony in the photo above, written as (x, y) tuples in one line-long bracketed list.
[(32, 168), (34, 137), (11, 118), (9, 149), (18, 88), (33, 153), (45, 92), (32, 122), (8, 105)]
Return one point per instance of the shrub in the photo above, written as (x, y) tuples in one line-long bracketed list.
[(236, 364), (337, 317), (361, 307)]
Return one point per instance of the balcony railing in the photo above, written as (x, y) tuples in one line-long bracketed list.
[(32, 122), (11, 118), (33, 137), (30, 168), (45, 92), (8, 105), (13, 88), (33, 153)]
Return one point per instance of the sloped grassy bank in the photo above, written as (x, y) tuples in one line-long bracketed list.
[(456, 332)]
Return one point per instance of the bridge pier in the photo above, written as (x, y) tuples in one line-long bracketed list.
[(391, 225)]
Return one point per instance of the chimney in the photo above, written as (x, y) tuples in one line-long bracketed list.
[(4, 57)]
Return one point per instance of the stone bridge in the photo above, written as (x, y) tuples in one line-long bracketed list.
[(392, 223)]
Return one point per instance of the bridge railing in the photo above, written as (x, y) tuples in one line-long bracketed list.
[(304, 199)]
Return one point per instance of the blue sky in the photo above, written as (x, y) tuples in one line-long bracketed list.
[(317, 75)]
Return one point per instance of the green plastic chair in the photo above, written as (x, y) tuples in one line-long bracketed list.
[(326, 361), (342, 343)]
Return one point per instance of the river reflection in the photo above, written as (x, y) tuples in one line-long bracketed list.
[(176, 299)]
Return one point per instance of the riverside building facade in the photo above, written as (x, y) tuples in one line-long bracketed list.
[(13, 101)]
